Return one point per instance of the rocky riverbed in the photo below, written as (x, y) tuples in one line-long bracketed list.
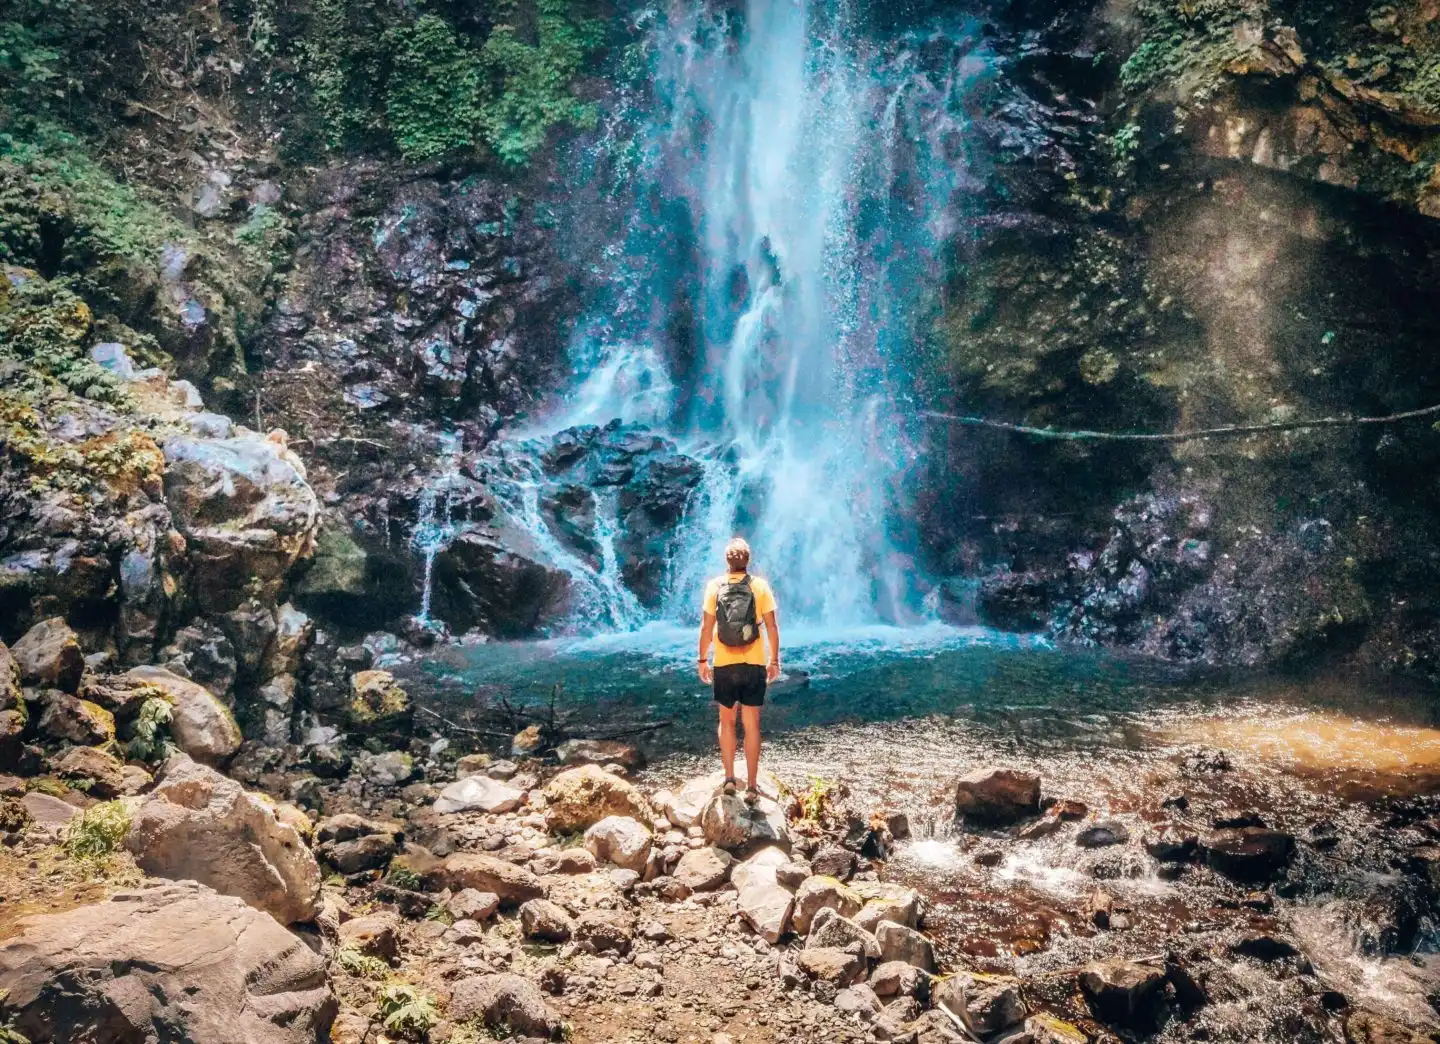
[(1255, 872)]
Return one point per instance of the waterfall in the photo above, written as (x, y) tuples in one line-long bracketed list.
[(808, 174), (434, 526)]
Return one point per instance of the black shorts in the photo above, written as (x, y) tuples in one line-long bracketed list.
[(742, 683)]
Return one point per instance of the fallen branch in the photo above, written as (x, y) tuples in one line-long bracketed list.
[(462, 728), (1231, 432), (959, 1023)]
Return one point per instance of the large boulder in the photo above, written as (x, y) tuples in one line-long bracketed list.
[(1249, 853), (887, 901), (199, 825), (997, 797), (505, 1002), (245, 510), (831, 931), (513, 884), (823, 893), (683, 807), (619, 840), (479, 794), (763, 901), (74, 720), (704, 869), (898, 943), (730, 823), (170, 961), (378, 704), (200, 724), (987, 1004), (579, 798), (49, 656)]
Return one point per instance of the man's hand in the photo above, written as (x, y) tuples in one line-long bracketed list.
[(706, 674), (772, 671)]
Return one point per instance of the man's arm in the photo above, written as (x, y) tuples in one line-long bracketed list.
[(772, 628), (707, 634)]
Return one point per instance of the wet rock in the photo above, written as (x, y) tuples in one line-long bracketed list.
[(834, 861), (546, 921), (1249, 853), (605, 931), (198, 825), (683, 808), (997, 797), (1364, 1027), (823, 893), (167, 961), (497, 582), (619, 840), (705, 869), (200, 724), (898, 943), (1264, 946), (579, 798), (506, 1002), (49, 656), (1123, 992), (986, 1004), (74, 720), (105, 773), (840, 968), (375, 935), (831, 931), (1102, 835), (1171, 843), (765, 904), (479, 794), (245, 510), (728, 822), (600, 752), (484, 873)]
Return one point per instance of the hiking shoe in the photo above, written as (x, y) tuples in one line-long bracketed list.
[(752, 796), (730, 785)]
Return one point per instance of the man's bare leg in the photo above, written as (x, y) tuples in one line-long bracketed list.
[(750, 717), (727, 739)]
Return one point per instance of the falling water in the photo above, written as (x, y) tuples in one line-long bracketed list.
[(760, 311), (434, 526)]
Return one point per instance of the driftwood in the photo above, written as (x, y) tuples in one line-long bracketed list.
[(555, 727)]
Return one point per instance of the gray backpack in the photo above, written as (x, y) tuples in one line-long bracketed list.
[(736, 621)]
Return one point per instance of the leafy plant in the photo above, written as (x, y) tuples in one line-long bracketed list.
[(439, 913), (98, 832), (8, 1033), (407, 1011), (151, 742), (815, 798), (402, 876), (433, 100), (353, 962)]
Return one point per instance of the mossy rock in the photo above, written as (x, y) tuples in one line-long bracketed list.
[(378, 703)]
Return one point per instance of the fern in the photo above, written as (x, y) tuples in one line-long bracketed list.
[(150, 742)]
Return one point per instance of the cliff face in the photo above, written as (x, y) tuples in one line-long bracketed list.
[(1178, 216), (1227, 227)]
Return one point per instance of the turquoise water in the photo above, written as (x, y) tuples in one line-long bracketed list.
[(856, 675)]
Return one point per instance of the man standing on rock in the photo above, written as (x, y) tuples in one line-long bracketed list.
[(735, 604)]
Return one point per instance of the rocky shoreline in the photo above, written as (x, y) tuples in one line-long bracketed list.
[(381, 888)]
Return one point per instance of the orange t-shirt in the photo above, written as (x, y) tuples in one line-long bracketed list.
[(756, 652)]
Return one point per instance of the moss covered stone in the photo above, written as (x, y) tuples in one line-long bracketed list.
[(378, 703)]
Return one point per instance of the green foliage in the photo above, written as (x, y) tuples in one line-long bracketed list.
[(1185, 43), (46, 327), (47, 176), (47, 785), (98, 832), (8, 1033), (433, 101), (436, 90), (353, 962), (532, 83), (440, 914), (815, 798), (402, 876), (264, 241), (407, 1011), (150, 742), (1124, 145)]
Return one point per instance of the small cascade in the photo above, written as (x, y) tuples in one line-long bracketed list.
[(599, 597), (434, 527)]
